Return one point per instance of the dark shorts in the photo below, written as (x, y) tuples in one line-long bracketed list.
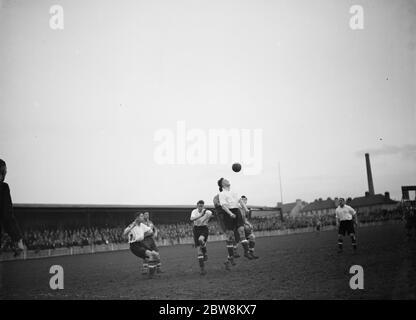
[(200, 231), (139, 248), (346, 227), (233, 223)]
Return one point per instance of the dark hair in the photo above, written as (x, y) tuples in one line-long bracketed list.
[(219, 182), (200, 202), (137, 214), (243, 197)]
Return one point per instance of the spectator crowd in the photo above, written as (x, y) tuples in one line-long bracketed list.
[(172, 233)]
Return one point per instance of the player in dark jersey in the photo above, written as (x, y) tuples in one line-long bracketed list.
[(248, 230), (150, 224), (8, 221), (409, 216)]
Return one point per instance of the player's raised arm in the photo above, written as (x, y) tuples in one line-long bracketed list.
[(354, 215), (128, 229)]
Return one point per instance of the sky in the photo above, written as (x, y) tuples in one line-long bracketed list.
[(89, 114)]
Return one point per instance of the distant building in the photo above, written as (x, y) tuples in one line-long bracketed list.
[(292, 208), (363, 205), (374, 203), (319, 207), (260, 212)]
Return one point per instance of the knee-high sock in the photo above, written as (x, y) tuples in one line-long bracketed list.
[(251, 245), (230, 248), (201, 260), (203, 246), (353, 240), (244, 243), (146, 263), (340, 243), (152, 264)]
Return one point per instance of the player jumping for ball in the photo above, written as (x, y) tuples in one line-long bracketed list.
[(149, 223), (220, 213), (233, 219), (346, 218), (142, 244), (200, 218)]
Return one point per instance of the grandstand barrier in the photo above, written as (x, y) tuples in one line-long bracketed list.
[(90, 249)]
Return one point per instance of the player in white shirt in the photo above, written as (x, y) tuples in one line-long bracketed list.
[(346, 218), (233, 219), (200, 218), (142, 244)]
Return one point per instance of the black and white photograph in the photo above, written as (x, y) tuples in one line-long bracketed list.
[(215, 152)]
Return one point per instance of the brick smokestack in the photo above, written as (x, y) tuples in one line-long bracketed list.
[(369, 175)]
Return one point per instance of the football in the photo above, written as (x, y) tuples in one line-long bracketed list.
[(236, 167)]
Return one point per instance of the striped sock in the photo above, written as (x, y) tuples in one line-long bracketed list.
[(230, 249), (244, 243), (340, 243)]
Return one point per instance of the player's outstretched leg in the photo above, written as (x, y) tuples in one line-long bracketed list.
[(230, 250), (251, 245), (236, 255), (235, 243), (203, 246), (201, 262), (154, 259), (244, 243)]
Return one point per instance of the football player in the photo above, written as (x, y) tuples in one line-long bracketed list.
[(248, 230), (231, 206), (200, 218), (150, 224), (142, 244), (8, 220), (346, 218)]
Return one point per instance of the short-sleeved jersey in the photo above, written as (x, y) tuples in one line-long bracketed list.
[(344, 213), (202, 221), (137, 233), (229, 199)]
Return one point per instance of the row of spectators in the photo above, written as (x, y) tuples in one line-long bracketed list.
[(52, 239)]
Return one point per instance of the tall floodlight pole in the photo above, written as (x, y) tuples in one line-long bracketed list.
[(280, 182), (281, 194)]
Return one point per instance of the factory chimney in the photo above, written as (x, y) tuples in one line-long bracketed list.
[(369, 175)]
